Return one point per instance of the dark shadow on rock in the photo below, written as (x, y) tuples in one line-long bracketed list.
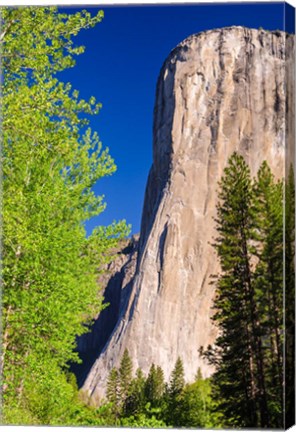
[(90, 345)]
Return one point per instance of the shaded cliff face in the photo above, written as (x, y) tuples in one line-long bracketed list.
[(218, 92), (117, 279)]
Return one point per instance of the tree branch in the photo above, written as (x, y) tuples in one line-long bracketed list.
[(4, 33)]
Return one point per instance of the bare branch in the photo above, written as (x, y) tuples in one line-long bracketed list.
[(4, 33)]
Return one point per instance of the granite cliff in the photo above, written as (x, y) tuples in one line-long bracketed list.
[(218, 92)]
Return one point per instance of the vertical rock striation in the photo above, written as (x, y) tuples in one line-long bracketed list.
[(218, 92)]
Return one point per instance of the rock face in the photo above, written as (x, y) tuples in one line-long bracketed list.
[(218, 92), (117, 280)]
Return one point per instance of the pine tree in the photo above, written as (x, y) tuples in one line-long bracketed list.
[(177, 380), (160, 384), (125, 375), (239, 354), (150, 384), (135, 401), (268, 282), (113, 392), (154, 386), (174, 394), (248, 354)]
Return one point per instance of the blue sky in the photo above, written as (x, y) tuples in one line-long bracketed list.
[(120, 68)]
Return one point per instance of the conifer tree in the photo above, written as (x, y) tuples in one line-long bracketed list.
[(125, 375), (135, 401), (177, 380), (248, 354), (154, 385), (268, 282), (174, 394), (113, 392), (239, 354), (150, 384), (160, 384)]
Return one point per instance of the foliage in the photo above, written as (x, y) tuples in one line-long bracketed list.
[(198, 408), (50, 163), (143, 421)]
